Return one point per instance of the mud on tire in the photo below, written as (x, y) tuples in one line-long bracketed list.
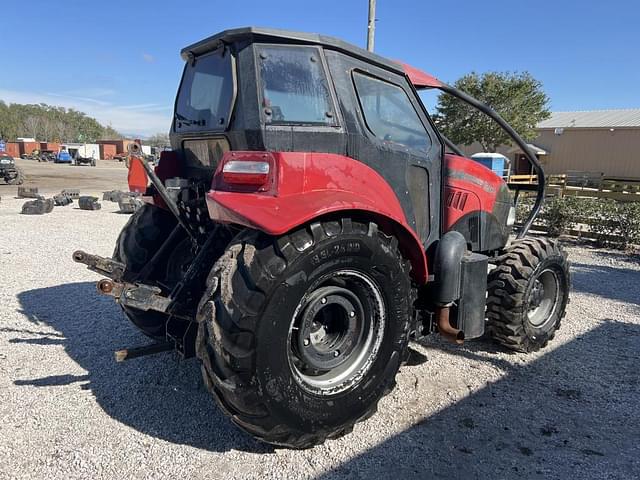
[(257, 293), (527, 294)]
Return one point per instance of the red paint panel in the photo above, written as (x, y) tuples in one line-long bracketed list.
[(107, 151), (137, 177), (28, 147), (420, 79), (469, 186), (310, 185), (12, 149), (50, 146)]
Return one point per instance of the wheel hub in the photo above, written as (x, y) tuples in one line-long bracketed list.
[(330, 329), (537, 294), (543, 298)]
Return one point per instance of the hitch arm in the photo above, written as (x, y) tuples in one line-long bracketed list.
[(104, 266), (135, 295)]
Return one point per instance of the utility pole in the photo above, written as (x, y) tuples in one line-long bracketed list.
[(371, 28)]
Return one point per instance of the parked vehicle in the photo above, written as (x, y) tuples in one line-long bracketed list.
[(9, 172), (309, 224), (80, 160), (34, 155), (47, 156), (63, 157)]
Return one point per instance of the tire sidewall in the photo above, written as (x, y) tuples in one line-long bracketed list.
[(280, 388)]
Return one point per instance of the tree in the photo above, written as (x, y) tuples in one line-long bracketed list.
[(517, 97), (46, 122), (32, 126), (158, 140)]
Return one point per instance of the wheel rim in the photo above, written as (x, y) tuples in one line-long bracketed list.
[(543, 298), (336, 332)]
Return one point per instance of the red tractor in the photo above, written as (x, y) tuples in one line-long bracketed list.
[(309, 223)]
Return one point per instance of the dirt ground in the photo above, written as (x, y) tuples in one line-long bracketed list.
[(50, 178), (68, 411)]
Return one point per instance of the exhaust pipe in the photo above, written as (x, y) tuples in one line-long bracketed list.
[(448, 269), (444, 325)]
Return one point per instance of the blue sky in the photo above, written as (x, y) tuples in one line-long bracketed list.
[(119, 61)]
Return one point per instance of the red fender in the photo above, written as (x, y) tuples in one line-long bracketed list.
[(308, 186)]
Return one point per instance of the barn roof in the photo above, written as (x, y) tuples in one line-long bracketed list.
[(593, 119)]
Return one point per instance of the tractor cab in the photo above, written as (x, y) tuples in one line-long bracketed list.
[(250, 90)]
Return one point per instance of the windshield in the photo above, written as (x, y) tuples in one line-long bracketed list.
[(206, 93)]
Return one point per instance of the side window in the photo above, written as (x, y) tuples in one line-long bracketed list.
[(389, 114), (294, 86)]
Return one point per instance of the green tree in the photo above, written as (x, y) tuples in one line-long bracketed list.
[(48, 123), (517, 97)]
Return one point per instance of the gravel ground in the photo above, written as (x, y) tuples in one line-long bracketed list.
[(67, 410)]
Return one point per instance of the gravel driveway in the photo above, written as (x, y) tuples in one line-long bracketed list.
[(67, 410)]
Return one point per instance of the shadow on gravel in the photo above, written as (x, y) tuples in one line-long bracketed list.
[(616, 283), (569, 414), (156, 395)]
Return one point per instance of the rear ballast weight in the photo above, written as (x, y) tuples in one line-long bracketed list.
[(296, 243)]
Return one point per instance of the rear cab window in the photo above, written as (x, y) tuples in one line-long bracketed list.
[(207, 93), (389, 114), (293, 86)]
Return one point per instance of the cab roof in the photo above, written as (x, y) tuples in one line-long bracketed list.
[(417, 77)]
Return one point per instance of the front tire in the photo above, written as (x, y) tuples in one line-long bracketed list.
[(528, 292), (300, 336)]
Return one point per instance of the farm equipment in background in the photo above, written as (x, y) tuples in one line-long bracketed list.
[(9, 171), (47, 156), (306, 226), (34, 155), (80, 160)]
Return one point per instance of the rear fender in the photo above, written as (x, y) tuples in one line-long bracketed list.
[(309, 186)]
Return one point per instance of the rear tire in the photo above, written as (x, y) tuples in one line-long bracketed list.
[(16, 179), (138, 241), (528, 292), (267, 301)]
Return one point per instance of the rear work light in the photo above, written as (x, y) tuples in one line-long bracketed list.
[(246, 172)]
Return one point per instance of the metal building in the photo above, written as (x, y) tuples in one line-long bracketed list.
[(606, 141), (602, 141)]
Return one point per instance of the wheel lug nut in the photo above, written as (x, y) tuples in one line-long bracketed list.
[(336, 353), (324, 300), (352, 314), (306, 342)]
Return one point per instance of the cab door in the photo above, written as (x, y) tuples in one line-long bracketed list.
[(389, 130)]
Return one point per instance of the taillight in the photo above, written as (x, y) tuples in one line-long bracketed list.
[(250, 172), (246, 172)]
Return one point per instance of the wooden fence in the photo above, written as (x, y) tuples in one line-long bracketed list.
[(585, 184)]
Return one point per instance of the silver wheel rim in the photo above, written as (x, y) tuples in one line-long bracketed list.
[(336, 332), (543, 298)]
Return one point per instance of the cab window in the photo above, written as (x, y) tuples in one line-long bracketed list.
[(389, 114), (294, 86), (206, 93)]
